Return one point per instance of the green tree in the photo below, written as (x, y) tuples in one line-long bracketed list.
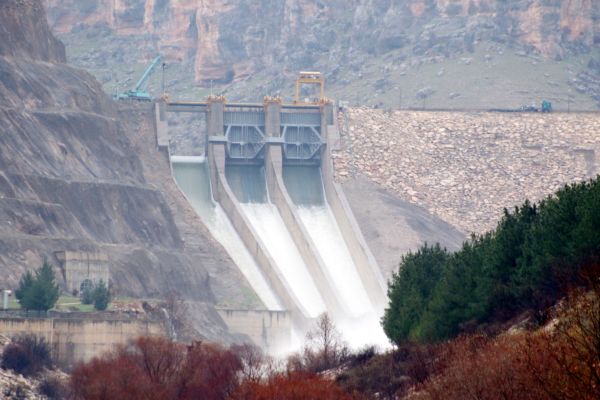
[(461, 294), (535, 252), (102, 296), (43, 293), (410, 290), (87, 294), (24, 285)]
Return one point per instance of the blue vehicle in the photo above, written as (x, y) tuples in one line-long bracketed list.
[(140, 91)]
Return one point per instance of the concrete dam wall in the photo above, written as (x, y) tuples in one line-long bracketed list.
[(264, 189)]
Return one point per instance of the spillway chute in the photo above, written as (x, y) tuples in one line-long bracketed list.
[(193, 179), (249, 186)]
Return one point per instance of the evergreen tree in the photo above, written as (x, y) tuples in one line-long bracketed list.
[(43, 292), (87, 294), (24, 285), (410, 290), (102, 296), (534, 253)]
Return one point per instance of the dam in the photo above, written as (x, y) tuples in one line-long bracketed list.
[(264, 189)]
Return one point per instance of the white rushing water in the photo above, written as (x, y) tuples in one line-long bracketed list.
[(360, 326), (327, 237), (269, 226), (192, 178)]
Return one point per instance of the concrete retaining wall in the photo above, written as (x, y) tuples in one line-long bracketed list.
[(271, 330), (73, 340), (366, 265)]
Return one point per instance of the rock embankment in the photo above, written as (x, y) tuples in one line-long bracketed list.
[(466, 167)]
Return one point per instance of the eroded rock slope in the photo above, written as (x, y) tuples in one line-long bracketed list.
[(76, 173)]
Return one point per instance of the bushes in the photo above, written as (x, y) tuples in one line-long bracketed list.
[(53, 388), (558, 361), (27, 355), (526, 262), (295, 385), (99, 295), (154, 368)]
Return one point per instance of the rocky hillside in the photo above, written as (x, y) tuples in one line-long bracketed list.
[(466, 167), (393, 53), (73, 177)]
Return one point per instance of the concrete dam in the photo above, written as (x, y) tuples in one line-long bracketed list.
[(264, 188)]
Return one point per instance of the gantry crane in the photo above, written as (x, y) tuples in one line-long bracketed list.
[(312, 78)]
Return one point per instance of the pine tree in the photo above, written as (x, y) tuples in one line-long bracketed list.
[(24, 285), (43, 292), (87, 294), (101, 296)]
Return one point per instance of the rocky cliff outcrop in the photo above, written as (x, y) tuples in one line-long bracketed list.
[(74, 175), (227, 40), (24, 36)]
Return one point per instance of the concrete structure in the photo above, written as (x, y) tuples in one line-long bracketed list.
[(224, 195), (284, 204), (77, 337), (273, 135), (271, 330), (364, 260), (80, 268), (161, 126), (5, 298)]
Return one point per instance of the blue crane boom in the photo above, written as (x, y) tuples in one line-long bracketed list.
[(139, 92), (141, 84)]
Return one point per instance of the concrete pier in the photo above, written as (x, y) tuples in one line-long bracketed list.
[(364, 260)]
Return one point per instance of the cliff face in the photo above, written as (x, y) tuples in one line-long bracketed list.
[(78, 174), (227, 40), (22, 34)]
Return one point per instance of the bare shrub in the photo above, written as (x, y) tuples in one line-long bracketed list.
[(155, 368), (53, 388), (324, 348), (27, 355)]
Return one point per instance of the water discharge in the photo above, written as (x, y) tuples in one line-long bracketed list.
[(269, 226), (361, 324), (193, 179), (248, 184), (306, 190)]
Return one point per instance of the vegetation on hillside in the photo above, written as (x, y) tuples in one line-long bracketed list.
[(534, 254), (156, 368)]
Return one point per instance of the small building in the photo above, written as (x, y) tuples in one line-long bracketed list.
[(81, 269)]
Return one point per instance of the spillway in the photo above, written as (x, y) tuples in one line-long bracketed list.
[(248, 184), (192, 177), (304, 184)]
